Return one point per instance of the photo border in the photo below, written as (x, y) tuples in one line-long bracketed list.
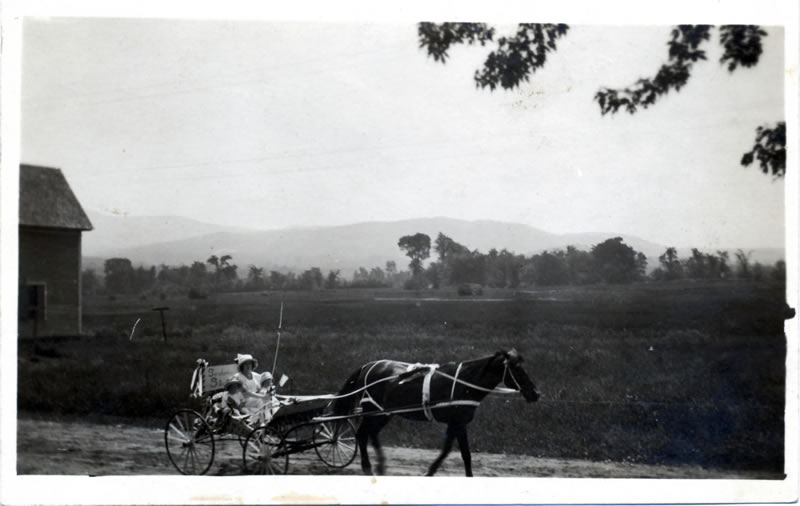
[(353, 489)]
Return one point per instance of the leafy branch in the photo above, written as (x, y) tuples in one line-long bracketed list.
[(769, 150), (683, 52)]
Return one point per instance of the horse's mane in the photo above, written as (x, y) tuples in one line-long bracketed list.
[(492, 358)]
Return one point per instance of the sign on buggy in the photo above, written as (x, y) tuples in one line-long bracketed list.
[(215, 376), (207, 378)]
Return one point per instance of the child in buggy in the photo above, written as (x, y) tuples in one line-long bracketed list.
[(231, 412), (228, 412), (267, 389)]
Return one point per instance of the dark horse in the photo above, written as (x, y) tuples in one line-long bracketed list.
[(448, 394)]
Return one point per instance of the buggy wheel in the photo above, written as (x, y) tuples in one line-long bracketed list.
[(261, 453), (335, 443), (189, 442)]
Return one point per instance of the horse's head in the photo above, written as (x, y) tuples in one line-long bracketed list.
[(516, 377)]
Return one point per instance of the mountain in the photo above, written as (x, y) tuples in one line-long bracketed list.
[(119, 232), (344, 247)]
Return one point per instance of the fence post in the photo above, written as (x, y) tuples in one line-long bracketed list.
[(163, 323)]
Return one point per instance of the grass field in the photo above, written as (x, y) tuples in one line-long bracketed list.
[(654, 373)]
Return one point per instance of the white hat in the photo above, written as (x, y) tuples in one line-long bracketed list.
[(265, 376), (242, 358)]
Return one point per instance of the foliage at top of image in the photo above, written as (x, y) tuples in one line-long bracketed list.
[(742, 44), (437, 39), (517, 57), (769, 150), (684, 50)]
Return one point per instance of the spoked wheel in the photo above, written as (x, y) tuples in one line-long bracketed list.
[(189, 441), (335, 442), (262, 453)]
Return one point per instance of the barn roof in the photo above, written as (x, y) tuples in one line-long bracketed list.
[(46, 200)]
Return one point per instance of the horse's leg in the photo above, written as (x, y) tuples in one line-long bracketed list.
[(463, 445), (449, 436), (378, 452), (362, 436), (376, 426)]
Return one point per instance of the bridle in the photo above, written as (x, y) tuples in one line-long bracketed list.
[(508, 370)]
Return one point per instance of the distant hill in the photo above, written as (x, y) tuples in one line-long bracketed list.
[(339, 247), (119, 232)]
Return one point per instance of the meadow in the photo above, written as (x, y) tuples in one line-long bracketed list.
[(656, 373)]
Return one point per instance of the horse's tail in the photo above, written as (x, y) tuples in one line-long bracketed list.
[(346, 404)]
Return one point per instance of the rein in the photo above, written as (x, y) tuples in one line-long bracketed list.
[(497, 390)]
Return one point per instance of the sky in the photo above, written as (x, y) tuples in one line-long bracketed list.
[(274, 125)]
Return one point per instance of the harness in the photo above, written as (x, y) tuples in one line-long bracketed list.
[(432, 370), (427, 406)]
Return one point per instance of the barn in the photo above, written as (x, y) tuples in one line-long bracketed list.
[(51, 221)]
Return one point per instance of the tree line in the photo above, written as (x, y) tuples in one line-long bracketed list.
[(611, 262), (219, 274)]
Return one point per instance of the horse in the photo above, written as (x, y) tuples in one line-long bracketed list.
[(449, 394)]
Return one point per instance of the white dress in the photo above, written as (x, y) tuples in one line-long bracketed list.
[(251, 404)]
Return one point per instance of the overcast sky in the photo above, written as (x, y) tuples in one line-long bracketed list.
[(276, 125)]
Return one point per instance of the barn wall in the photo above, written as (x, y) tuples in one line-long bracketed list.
[(52, 257)]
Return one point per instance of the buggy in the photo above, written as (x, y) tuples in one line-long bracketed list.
[(191, 436)]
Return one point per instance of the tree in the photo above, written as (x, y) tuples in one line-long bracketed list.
[(550, 269), (671, 264), (743, 263), (119, 275), (580, 266), (502, 268), (518, 57), (311, 279), (417, 247), (615, 261), (227, 269), (197, 275), (641, 265), (333, 279), (376, 275), (277, 280), (255, 278), (696, 265), (446, 247), (434, 274), (469, 267)]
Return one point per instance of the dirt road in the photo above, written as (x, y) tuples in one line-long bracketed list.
[(74, 448)]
